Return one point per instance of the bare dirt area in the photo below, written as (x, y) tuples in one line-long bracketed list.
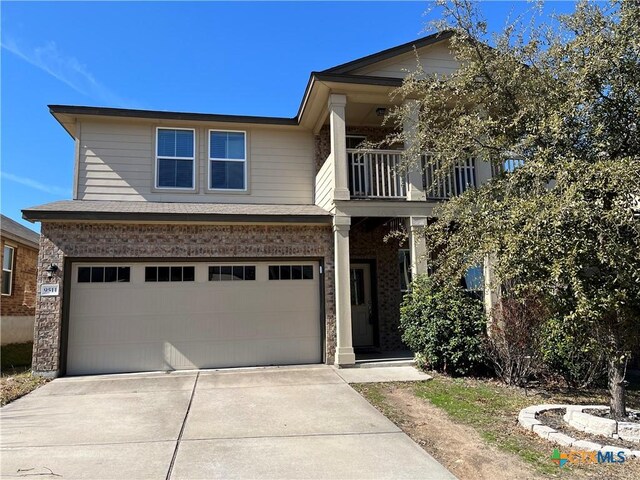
[(470, 426), (457, 447)]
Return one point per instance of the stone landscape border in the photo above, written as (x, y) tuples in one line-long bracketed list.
[(585, 422), (527, 418)]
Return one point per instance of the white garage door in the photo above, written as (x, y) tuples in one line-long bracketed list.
[(134, 317)]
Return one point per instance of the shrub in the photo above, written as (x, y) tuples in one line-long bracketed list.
[(445, 326), (572, 353), (512, 343)]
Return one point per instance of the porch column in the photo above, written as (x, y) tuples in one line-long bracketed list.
[(418, 246), (415, 190), (337, 104), (344, 345), (491, 290)]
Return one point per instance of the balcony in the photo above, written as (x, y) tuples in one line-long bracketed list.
[(376, 174), (379, 174), (442, 184)]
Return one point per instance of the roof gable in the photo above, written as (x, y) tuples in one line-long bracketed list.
[(366, 65)]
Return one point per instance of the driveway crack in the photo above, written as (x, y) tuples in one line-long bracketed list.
[(184, 423)]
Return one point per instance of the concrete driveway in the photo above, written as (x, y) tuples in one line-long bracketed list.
[(303, 422)]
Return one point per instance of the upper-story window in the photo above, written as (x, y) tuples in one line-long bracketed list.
[(227, 160), (175, 158)]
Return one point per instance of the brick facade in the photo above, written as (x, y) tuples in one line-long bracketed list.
[(367, 243), (74, 240), (22, 301)]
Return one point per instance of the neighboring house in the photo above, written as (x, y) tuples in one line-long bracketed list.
[(203, 240), (18, 284)]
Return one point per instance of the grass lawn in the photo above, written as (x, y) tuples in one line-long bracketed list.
[(16, 379), (477, 419)]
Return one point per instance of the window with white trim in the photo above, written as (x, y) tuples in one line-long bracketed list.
[(175, 158), (227, 160), (7, 269)]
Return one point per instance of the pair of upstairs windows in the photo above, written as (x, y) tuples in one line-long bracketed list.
[(176, 159)]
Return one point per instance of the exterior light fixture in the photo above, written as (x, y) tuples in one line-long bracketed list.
[(380, 111), (53, 268)]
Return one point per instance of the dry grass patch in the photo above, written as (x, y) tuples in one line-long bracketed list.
[(17, 385), (470, 426)]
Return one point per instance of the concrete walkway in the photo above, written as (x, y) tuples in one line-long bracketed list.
[(294, 422)]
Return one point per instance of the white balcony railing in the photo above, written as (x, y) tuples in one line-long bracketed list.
[(442, 184), (380, 174), (376, 174)]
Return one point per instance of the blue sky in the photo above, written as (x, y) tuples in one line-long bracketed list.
[(239, 57)]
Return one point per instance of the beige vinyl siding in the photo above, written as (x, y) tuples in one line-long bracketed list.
[(324, 184), (434, 59), (117, 162)]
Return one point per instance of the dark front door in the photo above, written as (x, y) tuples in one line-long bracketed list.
[(362, 318)]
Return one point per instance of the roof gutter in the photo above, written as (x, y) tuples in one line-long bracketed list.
[(52, 215)]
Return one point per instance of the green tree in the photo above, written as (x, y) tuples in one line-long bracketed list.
[(564, 102)]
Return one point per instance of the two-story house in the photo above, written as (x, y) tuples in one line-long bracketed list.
[(202, 240)]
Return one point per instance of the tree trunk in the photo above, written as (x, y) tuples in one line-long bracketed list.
[(617, 390)]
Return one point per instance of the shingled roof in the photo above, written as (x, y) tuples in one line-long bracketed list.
[(183, 211), (19, 233)]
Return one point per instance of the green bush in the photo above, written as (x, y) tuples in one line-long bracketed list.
[(445, 326), (572, 352)]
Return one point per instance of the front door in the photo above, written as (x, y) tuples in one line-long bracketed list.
[(361, 307)]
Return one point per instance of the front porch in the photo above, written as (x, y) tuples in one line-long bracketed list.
[(378, 266)]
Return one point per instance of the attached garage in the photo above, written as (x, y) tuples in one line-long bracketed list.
[(149, 316)]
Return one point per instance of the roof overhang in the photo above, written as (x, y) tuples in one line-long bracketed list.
[(126, 211), (18, 239), (68, 114)]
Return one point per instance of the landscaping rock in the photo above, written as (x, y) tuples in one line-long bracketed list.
[(629, 431), (561, 439), (543, 430), (585, 445), (611, 448), (529, 423)]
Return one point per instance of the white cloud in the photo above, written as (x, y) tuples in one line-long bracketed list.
[(66, 69), (28, 182)]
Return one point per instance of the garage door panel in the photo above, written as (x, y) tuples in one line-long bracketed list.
[(239, 353), (114, 358), (139, 325)]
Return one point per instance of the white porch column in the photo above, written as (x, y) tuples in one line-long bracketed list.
[(338, 132), (491, 290), (344, 344), (418, 246), (415, 190)]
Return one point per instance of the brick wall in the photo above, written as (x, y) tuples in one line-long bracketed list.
[(22, 300), (62, 240), (368, 244)]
